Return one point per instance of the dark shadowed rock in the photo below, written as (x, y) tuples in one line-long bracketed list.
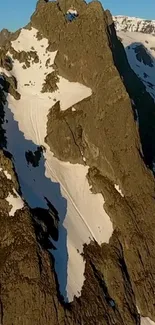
[(50, 83), (143, 56), (5, 61), (33, 158), (143, 102), (9, 85)]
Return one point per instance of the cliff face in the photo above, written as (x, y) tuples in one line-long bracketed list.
[(86, 178)]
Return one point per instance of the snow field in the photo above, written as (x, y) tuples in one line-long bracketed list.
[(82, 215)]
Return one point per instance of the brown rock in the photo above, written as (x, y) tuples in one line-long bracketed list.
[(50, 84), (110, 142), (119, 275), (4, 36)]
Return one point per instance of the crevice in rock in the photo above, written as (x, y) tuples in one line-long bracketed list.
[(102, 285), (74, 138)]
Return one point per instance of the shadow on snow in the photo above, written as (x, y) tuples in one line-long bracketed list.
[(39, 192), (144, 104)]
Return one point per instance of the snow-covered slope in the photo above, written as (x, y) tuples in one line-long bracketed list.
[(146, 321), (25, 124), (138, 38), (140, 50), (134, 24)]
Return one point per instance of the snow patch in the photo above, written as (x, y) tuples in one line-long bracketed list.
[(8, 176), (15, 201), (71, 93), (119, 190), (146, 321), (24, 42), (68, 93), (137, 117), (132, 102)]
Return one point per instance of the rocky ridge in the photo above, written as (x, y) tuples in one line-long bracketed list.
[(119, 276), (133, 24)]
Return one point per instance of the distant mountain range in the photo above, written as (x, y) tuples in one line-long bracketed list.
[(138, 38), (133, 24)]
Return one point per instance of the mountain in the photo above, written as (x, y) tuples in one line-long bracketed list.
[(133, 24), (140, 51), (77, 189)]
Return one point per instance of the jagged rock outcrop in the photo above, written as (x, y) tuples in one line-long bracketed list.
[(5, 61), (101, 133), (28, 288), (4, 36)]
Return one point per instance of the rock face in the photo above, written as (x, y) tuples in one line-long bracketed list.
[(4, 36), (99, 132)]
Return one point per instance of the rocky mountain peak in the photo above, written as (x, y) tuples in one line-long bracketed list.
[(4, 36), (79, 250)]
